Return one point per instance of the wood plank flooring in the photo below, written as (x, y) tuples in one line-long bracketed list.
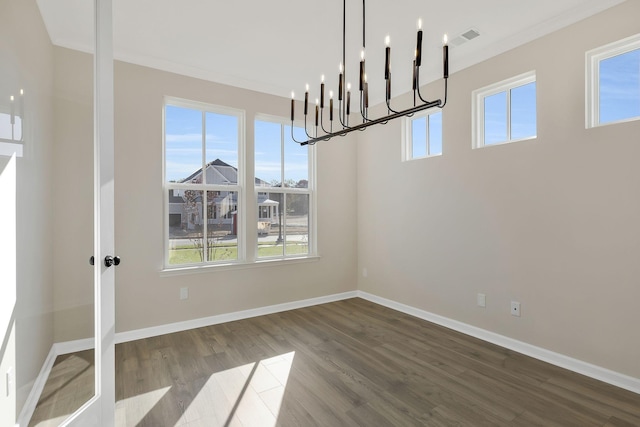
[(348, 363)]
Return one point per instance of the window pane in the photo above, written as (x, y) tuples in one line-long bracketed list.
[(268, 157), (183, 142), (222, 149), (435, 134), (270, 225), (418, 137), (222, 226), (185, 227), (297, 224), (495, 118), (296, 160), (523, 111), (620, 87)]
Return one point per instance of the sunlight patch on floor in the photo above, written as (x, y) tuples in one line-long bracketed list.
[(249, 395), (132, 410)]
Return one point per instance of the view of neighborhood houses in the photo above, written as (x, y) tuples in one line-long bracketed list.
[(278, 229)]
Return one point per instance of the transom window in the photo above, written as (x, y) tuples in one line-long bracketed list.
[(613, 82), (284, 189), (505, 111), (423, 135), (203, 181)]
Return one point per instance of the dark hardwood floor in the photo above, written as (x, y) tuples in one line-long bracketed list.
[(348, 363)]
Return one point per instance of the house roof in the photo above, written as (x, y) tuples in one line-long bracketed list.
[(219, 173)]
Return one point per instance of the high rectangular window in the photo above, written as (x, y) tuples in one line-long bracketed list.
[(505, 111), (613, 82), (423, 135), (285, 190), (203, 170)]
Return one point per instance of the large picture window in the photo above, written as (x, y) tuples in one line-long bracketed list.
[(203, 181), (613, 82), (284, 187)]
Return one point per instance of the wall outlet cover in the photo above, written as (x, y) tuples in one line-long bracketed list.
[(482, 300), (515, 308)]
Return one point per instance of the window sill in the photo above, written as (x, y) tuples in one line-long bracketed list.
[(497, 144), (273, 262)]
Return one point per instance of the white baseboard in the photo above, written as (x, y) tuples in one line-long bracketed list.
[(228, 317), (608, 376), (67, 347)]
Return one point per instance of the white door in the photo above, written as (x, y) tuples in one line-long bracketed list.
[(100, 410)]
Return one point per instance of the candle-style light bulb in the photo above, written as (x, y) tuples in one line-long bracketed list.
[(361, 81), (322, 78), (348, 98), (387, 58), (340, 67), (340, 83), (322, 91), (316, 112), (330, 94), (445, 39), (445, 57), (13, 112), (419, 44), (306, 100)]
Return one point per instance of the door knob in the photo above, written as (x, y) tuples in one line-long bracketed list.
[(111, 260)]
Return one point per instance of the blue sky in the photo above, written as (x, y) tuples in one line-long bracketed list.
[(419, 135), (184, 145), (523, 114), (184, 140), (620, 87), (268, 153)]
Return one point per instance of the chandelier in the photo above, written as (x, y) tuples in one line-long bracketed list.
[(321, 133)]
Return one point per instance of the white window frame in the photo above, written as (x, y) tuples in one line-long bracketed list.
[(239, 187), (592, 90), (407, 137), (478, 96), (310, 190)]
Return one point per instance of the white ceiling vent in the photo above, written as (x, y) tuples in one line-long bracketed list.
[(468, 35)]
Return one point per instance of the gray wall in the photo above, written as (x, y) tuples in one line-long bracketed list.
[(550, 222)]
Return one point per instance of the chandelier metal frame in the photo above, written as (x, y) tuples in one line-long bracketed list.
[(344, 99)]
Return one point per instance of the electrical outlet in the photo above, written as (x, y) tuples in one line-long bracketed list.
[(482, 300), (184, 293), (515, 308)]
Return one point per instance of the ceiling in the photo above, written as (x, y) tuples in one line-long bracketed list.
[(277, 46)]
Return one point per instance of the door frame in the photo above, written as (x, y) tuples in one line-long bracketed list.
[(100, 409)]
